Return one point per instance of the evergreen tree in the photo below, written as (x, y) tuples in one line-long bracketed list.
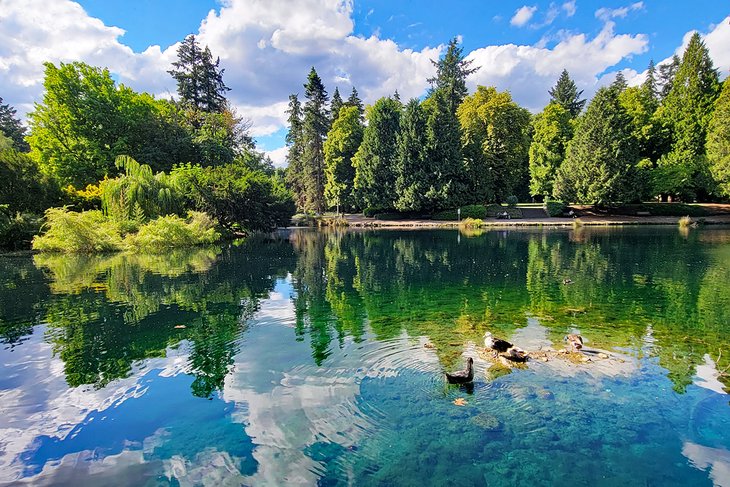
[(601, 158), (12, 128), (199, 78), (375, 165), (620, 81), (342, 142), (335, 106), (295, 143), (495, 144), (415, 177), (553, 129), (718, 141), (649, 133), (565, 93), (649, 87), (666, 76), (314, 132), (354, 100), (451, 73), (443, 146)]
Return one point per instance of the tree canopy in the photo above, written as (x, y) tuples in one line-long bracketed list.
[(199, 79), (566, 94)]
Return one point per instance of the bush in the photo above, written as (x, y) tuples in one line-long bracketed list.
[(84, 232), (171, 231), (468, 211), (371, 211), (555, 208), (471, 223), (511, 201), (17, 232), (303, 220)]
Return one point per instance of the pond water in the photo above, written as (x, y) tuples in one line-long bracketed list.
[(317, 358)]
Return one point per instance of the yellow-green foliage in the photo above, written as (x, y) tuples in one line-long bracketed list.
[(84, 232), (171, 231), (471, 223), (685, 221)]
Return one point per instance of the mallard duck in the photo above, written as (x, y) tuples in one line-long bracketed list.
[(462, 376), (575, 341), (515, 354), (496, 344)]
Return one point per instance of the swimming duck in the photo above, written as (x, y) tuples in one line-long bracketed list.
[(496, 344), (575, 341), (515, 354), (462, 376)]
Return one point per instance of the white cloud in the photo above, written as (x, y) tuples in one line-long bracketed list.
[(522, 15), (569, 8), (278, 156), (607, 14)]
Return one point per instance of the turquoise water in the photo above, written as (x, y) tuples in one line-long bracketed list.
[(317, 358)]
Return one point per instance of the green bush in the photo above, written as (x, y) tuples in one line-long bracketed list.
[(554, 208), (471, 223), (468, 211), (371, 211), (171, 231), (84, 232), (511, 201), (17, 231)]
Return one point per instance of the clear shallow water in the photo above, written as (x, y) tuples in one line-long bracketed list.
[(300, 359)]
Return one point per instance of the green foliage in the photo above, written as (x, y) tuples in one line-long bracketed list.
[(651, 136), (451, 73), (471, 223), (374, 161), (17, 229), (495, 144), (11, 128), (553, 129), (199, 79), (237, 197), (554, 208), (565, 93), (22, 186), (415, 177), (718, 141), (335, 106), (602, 156), (295, 176), (84, 232), (354, 101), (468, 211), (342, 142), (511, 201), (171, 231)]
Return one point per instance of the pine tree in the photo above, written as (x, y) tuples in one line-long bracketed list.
[(565, 93), (295, 143), (620, 82), (718, 140), (443, 146), (335, 106), (414, 177), (649, 87), (553, 129), (600, 164), (342, 142), (666, 76), (199, 79), (354, 100), (314, 132), (12, 128), (451, 73)]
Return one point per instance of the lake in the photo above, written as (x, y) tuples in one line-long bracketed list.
[(317, 358)]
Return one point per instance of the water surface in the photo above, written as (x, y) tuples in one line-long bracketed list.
[(314, 357)]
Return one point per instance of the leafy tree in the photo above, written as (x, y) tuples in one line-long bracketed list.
[(6, 143), (374, 161), (314, 131), (565, 93), (335, 106), (602, 156), (718, 140), (355, 101), (342, 142), (495, 144), (451, 73), (22, 186), (553, 129), (294, 156), (199, 78), (11, 127), (415, 178)]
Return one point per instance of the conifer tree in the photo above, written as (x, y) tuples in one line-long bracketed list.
[(295, 143), (314, 132), (666, 76), (342, 142), (565, 93), (335, 106), (12, 128), (199, 78), (649, 87), (415, 177), (553, 129), (718, 141), (451, 73), (354, 100)]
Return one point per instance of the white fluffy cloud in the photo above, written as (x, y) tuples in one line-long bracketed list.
[(522, 15)]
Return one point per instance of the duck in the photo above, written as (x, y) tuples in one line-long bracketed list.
[(496, 344), (575, 341), (515, 354), (462, 376), (567, 281)]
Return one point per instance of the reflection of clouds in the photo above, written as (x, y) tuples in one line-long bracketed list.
[(707, 376), (716, 459), (44, 405)]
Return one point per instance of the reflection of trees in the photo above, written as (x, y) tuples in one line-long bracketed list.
[(22, 292), (112, 311)]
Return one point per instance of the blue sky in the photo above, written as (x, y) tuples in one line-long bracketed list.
[(267, 46)]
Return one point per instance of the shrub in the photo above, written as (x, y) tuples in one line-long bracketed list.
[(686, 221), (471, 223), (468, 211), (171, 231), (17, 232), (84, 232), (554, 208), (371, 211), (511, 201)]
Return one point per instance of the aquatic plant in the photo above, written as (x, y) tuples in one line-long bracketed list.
[(171, 231), (83, 232)]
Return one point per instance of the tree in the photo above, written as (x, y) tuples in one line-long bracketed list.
[(294, 156), (342, 142), (355, 101), (335, 106), (314, 131), (443, 151), (12, 128), (495, 144), (602, 156), (451, 73), (375, 159), (553, 129), (718, 140), (415, 177), (667, 72), (565, 93), (22, 186), (199, 79)]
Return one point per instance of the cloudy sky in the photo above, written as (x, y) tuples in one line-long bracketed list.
[(268, 46)]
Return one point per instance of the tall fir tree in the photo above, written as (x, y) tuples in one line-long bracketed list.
[(355, 101), (565, 93), (294, 157), (314, 132), (342, 142), (199, 78), (650, 87), (335, 106), (451, 73), (601, 159), (718, 141), (375, 166), (12, 128), (553, 129), (414, 177), (667, 72)]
